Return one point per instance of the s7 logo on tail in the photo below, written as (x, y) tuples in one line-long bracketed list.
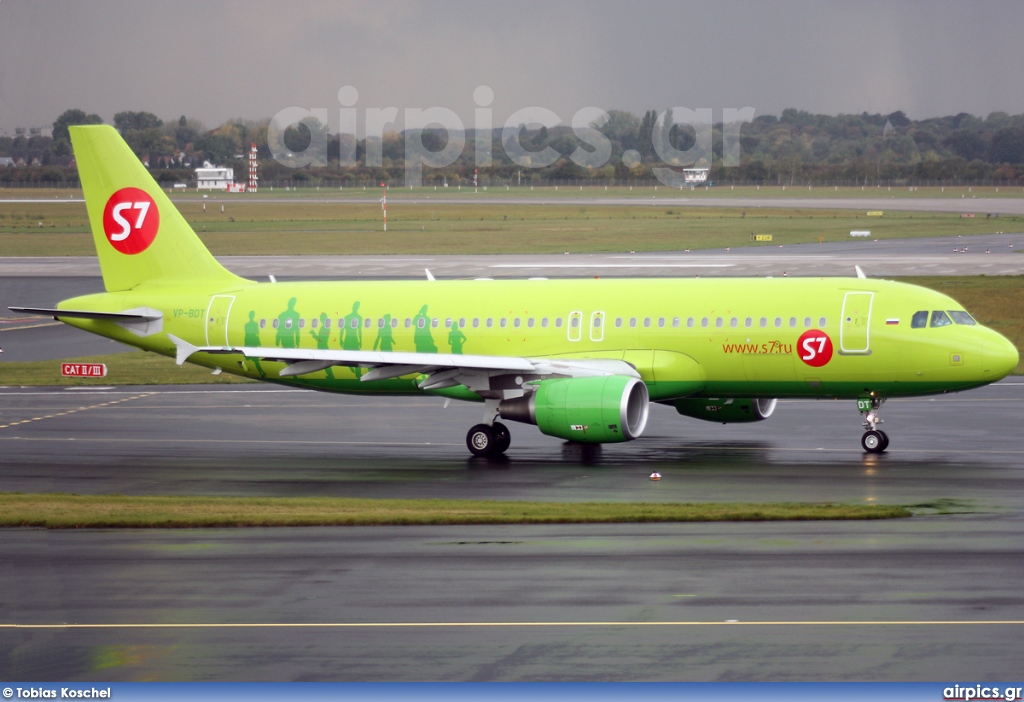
[(131, 220)]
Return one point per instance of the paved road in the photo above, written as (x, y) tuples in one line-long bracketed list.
[(906, 600), (988, 254)]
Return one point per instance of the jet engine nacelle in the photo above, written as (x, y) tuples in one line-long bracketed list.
[(726, 410), (602, 409)]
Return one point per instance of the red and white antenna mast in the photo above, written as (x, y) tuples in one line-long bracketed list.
[(253, 178)]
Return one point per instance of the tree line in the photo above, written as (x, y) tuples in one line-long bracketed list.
[(794, 148)]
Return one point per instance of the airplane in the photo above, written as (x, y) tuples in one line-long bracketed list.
[(580, 359)]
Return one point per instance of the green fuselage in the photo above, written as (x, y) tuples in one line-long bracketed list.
[(685, 337)]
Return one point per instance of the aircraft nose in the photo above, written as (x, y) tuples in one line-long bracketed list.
[(1001, 357)]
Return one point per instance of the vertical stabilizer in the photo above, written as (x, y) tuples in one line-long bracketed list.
[(139, 235)]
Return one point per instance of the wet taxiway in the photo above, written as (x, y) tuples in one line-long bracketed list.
[(932, 597)]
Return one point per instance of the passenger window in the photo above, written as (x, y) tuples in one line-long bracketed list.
[(778, 322), (940, 319), (748, 322), (961, 317), (661, 321), (807, 322), (919, 320), (647, 321), (618, 321), (734, 322), (718, 322), (822, 322), (263, 324), (792, 322), (675, 322), (764, 322)]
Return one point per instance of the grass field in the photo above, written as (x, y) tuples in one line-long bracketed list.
[(64, 511), (254, 227)]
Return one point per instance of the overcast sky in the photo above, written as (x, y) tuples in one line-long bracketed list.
[(215, 60)]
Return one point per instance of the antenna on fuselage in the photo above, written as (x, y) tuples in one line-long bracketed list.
[(430, 276), (860, 273)]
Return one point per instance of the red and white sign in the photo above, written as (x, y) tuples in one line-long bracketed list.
[(83, 370), (131, 220), (814, 348)]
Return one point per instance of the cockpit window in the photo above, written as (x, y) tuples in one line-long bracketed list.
[(940, 319), (919, 320), (961, 317)]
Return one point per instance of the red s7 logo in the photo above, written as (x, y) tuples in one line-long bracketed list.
[(131, 220), (814, 348)]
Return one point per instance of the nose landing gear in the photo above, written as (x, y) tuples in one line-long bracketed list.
[(874, 439)]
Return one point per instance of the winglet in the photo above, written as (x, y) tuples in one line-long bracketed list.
[(860, 273), (185, 349)]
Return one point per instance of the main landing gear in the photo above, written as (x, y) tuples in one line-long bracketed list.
[(488, 439), (874, 440)]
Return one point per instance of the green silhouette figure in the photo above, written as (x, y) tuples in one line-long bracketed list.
[(288, 327), (456, 338), (351, 336), (385, 339), (322, 336), (421, 336), (252, 338)]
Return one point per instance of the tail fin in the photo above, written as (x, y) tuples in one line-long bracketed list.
[(139, 235)]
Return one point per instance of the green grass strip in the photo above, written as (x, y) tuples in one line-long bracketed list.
[(67, 511)]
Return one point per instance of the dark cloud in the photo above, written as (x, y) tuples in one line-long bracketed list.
[(250, 59)]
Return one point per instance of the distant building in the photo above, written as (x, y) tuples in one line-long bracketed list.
[(695, 176), (212, 178), (6, 161)]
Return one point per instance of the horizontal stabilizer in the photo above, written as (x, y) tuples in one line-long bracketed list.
[(89, 314)]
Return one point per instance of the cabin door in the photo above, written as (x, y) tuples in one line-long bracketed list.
[(855, 325)]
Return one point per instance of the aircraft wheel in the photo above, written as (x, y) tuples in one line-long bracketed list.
[(885, 441), (482, 441), (502, 438), (872, 441)]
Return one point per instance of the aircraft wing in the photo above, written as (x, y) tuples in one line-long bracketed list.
[(489, 376)]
